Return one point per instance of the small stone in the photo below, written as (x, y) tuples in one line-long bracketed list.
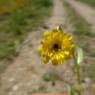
[(93, 85), (11, 79), (87, 80), (15, 87)]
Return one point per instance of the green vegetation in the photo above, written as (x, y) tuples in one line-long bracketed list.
[(17, 19), (11, 5), (16, 23), (52, 75), (49, 76), (90, 2), (42, 88)]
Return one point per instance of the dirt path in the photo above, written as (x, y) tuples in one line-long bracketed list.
[(88, 13), (25, 74), (84, 10)]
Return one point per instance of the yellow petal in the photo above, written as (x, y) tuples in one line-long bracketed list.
[(54, 62), (40, 49), (45, 59), (59, 28), (42, 41), (46, 33)]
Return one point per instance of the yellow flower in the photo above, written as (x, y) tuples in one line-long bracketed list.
[(57, 46), (40, 49)]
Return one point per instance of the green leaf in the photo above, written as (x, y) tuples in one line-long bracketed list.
[(80, 55)]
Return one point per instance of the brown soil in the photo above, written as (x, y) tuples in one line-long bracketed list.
[(84, 10), (25, 75), (88, 13)]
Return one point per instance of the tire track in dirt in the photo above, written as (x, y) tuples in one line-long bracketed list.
[(84, 10), (25, 74), (88, 13)]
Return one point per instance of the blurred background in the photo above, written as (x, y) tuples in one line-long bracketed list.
[(22, 23)]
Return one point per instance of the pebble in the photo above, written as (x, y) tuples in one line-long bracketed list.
[(15, 87), (87, 80), (11, 79)]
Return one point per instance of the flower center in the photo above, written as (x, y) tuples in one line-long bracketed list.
[(55, 46)]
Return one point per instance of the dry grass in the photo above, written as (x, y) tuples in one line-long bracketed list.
[(85, 38), (17, 19), (17, 23), (89, 2), (10, 5)]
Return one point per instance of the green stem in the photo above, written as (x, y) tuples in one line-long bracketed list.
[(70, 90), (78, 77)]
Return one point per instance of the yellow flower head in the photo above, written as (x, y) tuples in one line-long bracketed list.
[(57, 46)]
